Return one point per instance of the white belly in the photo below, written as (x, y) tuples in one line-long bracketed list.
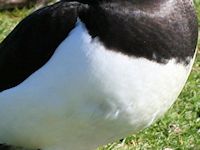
[(86, 96)]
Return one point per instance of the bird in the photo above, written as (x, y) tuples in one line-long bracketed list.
[(82, 73)]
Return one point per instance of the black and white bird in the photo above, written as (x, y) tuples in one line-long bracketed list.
[(82, 73)]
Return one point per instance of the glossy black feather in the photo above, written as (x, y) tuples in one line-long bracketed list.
[(141, 29), (31, 44)]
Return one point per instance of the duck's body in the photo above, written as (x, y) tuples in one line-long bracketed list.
[(95, 73)]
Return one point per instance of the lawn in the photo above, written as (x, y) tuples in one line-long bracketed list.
[(179, 129)]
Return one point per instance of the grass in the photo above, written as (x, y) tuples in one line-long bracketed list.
[(179, 129)]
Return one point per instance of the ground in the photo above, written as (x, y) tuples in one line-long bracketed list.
[(179, 129)]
